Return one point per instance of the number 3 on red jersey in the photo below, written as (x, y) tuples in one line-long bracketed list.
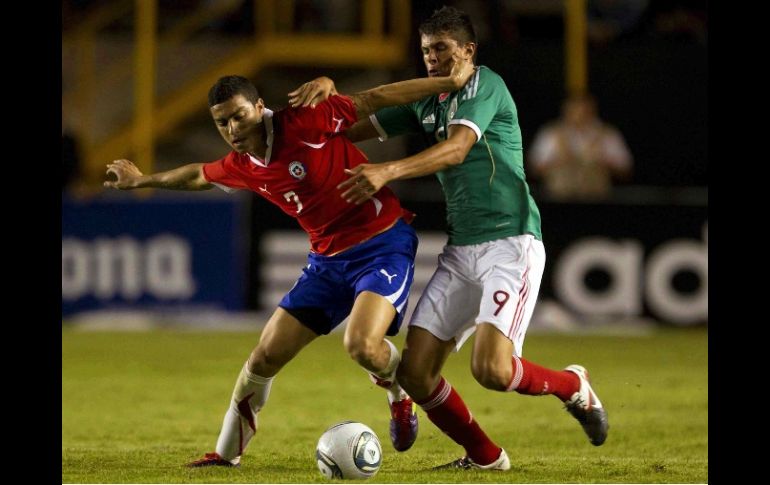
[(291, 196)]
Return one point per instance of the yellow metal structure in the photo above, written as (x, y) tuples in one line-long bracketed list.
[(144, 83), (382, 43), (576, 46)]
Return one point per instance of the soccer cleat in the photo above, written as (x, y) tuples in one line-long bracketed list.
[(585, 406), (403, 424), (211, 459), (465, 463)]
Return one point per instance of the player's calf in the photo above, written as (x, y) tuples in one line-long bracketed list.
[(403, 416)]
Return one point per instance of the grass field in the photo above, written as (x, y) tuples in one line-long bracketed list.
[(137, 406)]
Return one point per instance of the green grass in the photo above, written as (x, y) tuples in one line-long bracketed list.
[(137, 406)]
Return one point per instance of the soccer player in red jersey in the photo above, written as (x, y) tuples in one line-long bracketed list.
[(361, 259), (489, 273)]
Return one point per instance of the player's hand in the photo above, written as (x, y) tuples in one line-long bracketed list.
[(462, 70), (365, 180), (312, 92), (126, 173)]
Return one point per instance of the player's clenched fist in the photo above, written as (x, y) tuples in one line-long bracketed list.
[(126, 173)]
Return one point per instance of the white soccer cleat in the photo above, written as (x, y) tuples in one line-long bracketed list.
[(585, 406), (465, 463)]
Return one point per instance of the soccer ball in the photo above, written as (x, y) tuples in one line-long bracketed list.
[(348, 450)]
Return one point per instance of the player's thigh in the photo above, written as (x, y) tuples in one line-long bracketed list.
[(370, 318), (492, 350), (511, 287), (281, 340), (448, 304)]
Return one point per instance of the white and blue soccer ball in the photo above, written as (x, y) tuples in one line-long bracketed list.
[(349, 450)]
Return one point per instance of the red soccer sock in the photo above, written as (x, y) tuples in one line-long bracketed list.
[(446, 409), (534, 380)]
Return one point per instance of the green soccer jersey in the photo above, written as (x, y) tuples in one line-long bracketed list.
[(487, 196)]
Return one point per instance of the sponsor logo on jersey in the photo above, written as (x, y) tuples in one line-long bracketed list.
[(297, 170), (429, 120)]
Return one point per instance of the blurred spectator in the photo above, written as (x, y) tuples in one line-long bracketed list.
[(578, 155)]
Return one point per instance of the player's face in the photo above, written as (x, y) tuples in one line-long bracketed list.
[(437, 53), (239, 122)]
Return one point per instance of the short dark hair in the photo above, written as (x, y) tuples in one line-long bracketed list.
[(451, 21), (228, 86)]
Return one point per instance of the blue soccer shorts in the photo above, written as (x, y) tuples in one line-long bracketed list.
[(324, 295)]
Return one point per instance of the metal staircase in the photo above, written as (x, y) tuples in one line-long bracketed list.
[(123, 91)]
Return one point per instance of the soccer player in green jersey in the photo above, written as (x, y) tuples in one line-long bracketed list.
[(489, 272)]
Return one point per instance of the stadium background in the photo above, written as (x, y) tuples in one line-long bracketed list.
[(134, 79)]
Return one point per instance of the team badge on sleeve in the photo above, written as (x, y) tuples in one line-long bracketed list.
[(297, 170)]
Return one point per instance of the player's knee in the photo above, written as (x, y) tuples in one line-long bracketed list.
[(362, 349), (491, 374), (264, 362)]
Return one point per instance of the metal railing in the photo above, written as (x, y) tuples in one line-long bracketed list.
[(381, 42)]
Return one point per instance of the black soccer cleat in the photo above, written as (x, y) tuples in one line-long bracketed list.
[(585, 406)]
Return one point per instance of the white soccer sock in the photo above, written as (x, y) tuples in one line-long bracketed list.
[(240, 423), (395, 393)]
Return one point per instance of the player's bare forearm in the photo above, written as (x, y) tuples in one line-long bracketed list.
[(187, 177), (440, 156), (366, 179), (128, 176), (434, 159), (367, 102), (403, 92)]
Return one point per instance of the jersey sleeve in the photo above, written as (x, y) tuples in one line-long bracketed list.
[(315, 125), (222, 173), (395, 120), (479, 101)]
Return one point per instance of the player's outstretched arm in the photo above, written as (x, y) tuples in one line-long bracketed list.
[(128, 176), (367, 102)]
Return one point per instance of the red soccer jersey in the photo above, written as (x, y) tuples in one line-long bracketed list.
[(304, 163)]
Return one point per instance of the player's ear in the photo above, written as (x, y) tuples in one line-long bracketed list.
[(259, 105), (469, 49)]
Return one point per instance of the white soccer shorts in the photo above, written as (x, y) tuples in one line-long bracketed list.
[(496, 282)]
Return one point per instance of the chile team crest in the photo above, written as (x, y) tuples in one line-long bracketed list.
[(297, 170)]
